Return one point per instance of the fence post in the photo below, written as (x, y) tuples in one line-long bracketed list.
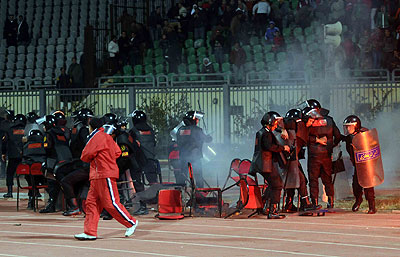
[(42, 102), (227, 114)]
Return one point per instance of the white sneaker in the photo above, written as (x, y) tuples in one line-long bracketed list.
[(84, 236), (131, 230)]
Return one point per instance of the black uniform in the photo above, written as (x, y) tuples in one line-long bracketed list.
[(320, 156), (357, 189), (79, 135), (146, 137), (265, 160), (34, 152), (190, 139), (4, 124), (12, 147)]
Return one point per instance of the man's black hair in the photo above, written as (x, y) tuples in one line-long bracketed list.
[(96, 123)]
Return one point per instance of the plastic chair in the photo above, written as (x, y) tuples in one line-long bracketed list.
[(201, 191), (170, 205), (233, 167)]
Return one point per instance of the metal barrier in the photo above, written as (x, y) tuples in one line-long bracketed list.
[(21, 84), (287, 76), (200, 78), (41, 83), (7, 84), (368, 76), (396, 75), (126, 81)]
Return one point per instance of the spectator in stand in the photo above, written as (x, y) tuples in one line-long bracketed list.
[(279, 42), (217, 43), (207, 66), (75, 73), (23, 31), (237, 26), (261, 12), (365, 50), (375, 4), (227, 16), (126, 21), (113, 51), (155, 23), (349, 51), (389, 45), (270, 33), (376, 40), (64, 82), (182, 12), (212, 14), (10, 30), (123, 45), (304, 14), (199, 22), (382, 18), (135, 56), (238, 59)]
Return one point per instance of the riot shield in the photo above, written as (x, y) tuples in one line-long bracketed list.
[(368, 159)]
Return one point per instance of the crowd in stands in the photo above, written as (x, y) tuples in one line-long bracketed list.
[(191, 31), (16, 32)]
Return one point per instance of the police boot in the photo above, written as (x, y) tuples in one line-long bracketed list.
[(31, 203), (105, 215), (9, 192), (371, 205), (73, 208), (142, 209), (50, 207), (306, 205), (356, 205), (315, 204), (289, 206), (330, 203), (273, 212)]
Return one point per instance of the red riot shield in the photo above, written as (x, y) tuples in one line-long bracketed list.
[(368, 159)]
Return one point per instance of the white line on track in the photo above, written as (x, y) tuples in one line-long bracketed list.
[(11, 255), (156, 241), (88, 248)]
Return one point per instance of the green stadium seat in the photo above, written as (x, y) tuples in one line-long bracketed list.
[(201, 51), (254, 41), (159, 69), (159, 60), (158, 52), (248, 66), (226, 67), (156, 43), (148, 60), (138, 70), (148, 69), (269, 57), (149, 52), (191, 59), (257, 49), (216, 67), (267, 48), (286, 32), (190, 51), (298, 31), (260, 66), (308, 31), (258, 57), (188, 43), (281, 56), (181, 68), (198, 43)]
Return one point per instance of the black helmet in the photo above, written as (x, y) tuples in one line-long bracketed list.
[(270, 118), (138, 117), (60, 118), (83, 115), (310, 112), (351, 121), (192, 116), (314, 104), (32, 117), (20, 118), (294, 114), (49, 121), (110, 119), (35, 132)]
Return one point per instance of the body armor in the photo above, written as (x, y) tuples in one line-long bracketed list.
[(34, 150)]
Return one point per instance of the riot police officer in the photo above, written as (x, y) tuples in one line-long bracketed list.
[(352, 126), (57, 152), (265, 160), (144, 133), (12, 148), (80, 132), (61, 122), (190, 139), (323, 135), (293, 122), (34, 152), (31, 124)]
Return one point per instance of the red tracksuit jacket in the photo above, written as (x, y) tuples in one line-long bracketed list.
[(101, 152)]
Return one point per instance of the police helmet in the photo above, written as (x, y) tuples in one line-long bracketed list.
[(60, 118), (138, 117), (110, 119), (314, 104), (32, 117), (20, 118), (49, 121), (83, 115), (109, 128), (294, 114), (270, 118), (35, 132), (351, 124)]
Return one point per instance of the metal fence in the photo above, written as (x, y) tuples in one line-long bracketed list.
[(232, 111)]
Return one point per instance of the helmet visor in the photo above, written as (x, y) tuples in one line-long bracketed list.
[(109, 129), (198, 115), (349, 128), (41, 120)]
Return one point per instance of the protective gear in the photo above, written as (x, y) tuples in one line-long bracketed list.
[(306, 205), (138, 117), (294, 114), (20, 119), (73, 208), (110, 119), (9, 192), (312, 103), (331, 201), (50, 207), (109, 129), (31, 203), (79, 135), (32, 117), (34, 150), (49, 121), (371, 206), (60, 118), (351, 125), (368, 159), (35, 132), (270, 118), (84, 115), (356, 205), (289, 206), (191, 117)]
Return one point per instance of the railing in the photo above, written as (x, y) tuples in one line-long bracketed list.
[(126, 81), (200, 78), (369, 75), (7, 84), (254, 77)]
